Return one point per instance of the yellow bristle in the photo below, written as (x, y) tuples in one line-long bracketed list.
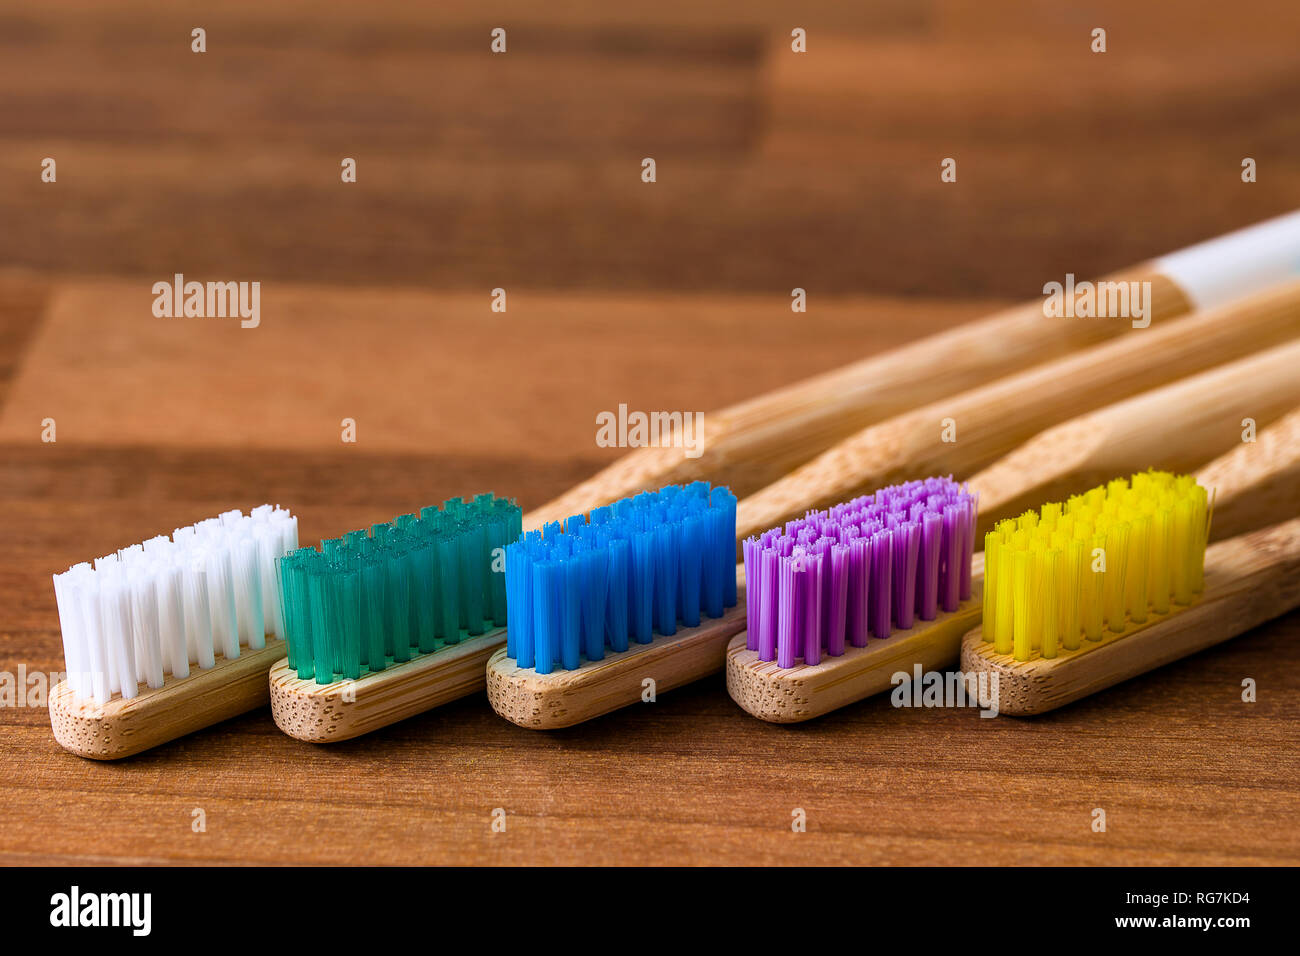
[(1050, 589), (1179, 546), (1102, 561), (1071, 623), (1092, 594), (992, 542), (1116, 565), (1022, 595), (1034, 618), (1138, 555), (1159, 561), (1002, 621), (1201, 524)]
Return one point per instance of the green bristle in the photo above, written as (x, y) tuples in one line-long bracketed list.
[(320, 624), (471, 580), (373, 646), (348, 657), (447, 590), (422, 591), (395, 608), (410, 586), (496, 582)]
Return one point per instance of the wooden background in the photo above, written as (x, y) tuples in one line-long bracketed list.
[(522, 171)]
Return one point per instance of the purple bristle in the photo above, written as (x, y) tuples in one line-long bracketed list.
[(834, 578)]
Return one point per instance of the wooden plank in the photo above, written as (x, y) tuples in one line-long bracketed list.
[(396, 361), (774, 172), (817, 169)]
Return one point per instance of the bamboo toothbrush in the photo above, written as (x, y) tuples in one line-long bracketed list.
[(756, 442), (1253, 483), (387, 625), (1057, 627), (840, 600), (1256, 481), (1176, 427), (194, 618), (635, 600), (989, 421)]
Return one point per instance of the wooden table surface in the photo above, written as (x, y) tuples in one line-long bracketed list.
[(521, 171)]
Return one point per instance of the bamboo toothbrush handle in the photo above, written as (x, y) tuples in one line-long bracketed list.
[(1249, 579), (1256, 481), (122, 727), (751, 444), (1169, 428), (754, 443), (344, 709), (992, 420)]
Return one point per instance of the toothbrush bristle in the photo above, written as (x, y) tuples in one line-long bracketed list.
[(155, 608), (632, 569), (405, 588), (1103, 560), (859, 568)]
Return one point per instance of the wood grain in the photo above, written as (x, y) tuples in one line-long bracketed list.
[(776, 169), (1174, 428), (1248, 580), (317, 358), (343, 709), (1258, 481), (818, 171), (157, 715), (755, 443), (788, 695), (993, 419), (563, 698)]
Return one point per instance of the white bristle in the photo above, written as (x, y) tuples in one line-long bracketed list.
[(198, 615), (96, 651), (153, 609), (67, 596), (148, 639), (221, 600), (171, 620), (268, 543), (248, 592), (115, 619)]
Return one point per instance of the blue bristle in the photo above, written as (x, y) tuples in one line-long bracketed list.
[(543, 617), (691, 570), (514, 597), (642, 577), (666, 543), (712, 597), (571, 618), (526, 628), (725, 503), (616, 596), (634, 569), (594, 570)]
